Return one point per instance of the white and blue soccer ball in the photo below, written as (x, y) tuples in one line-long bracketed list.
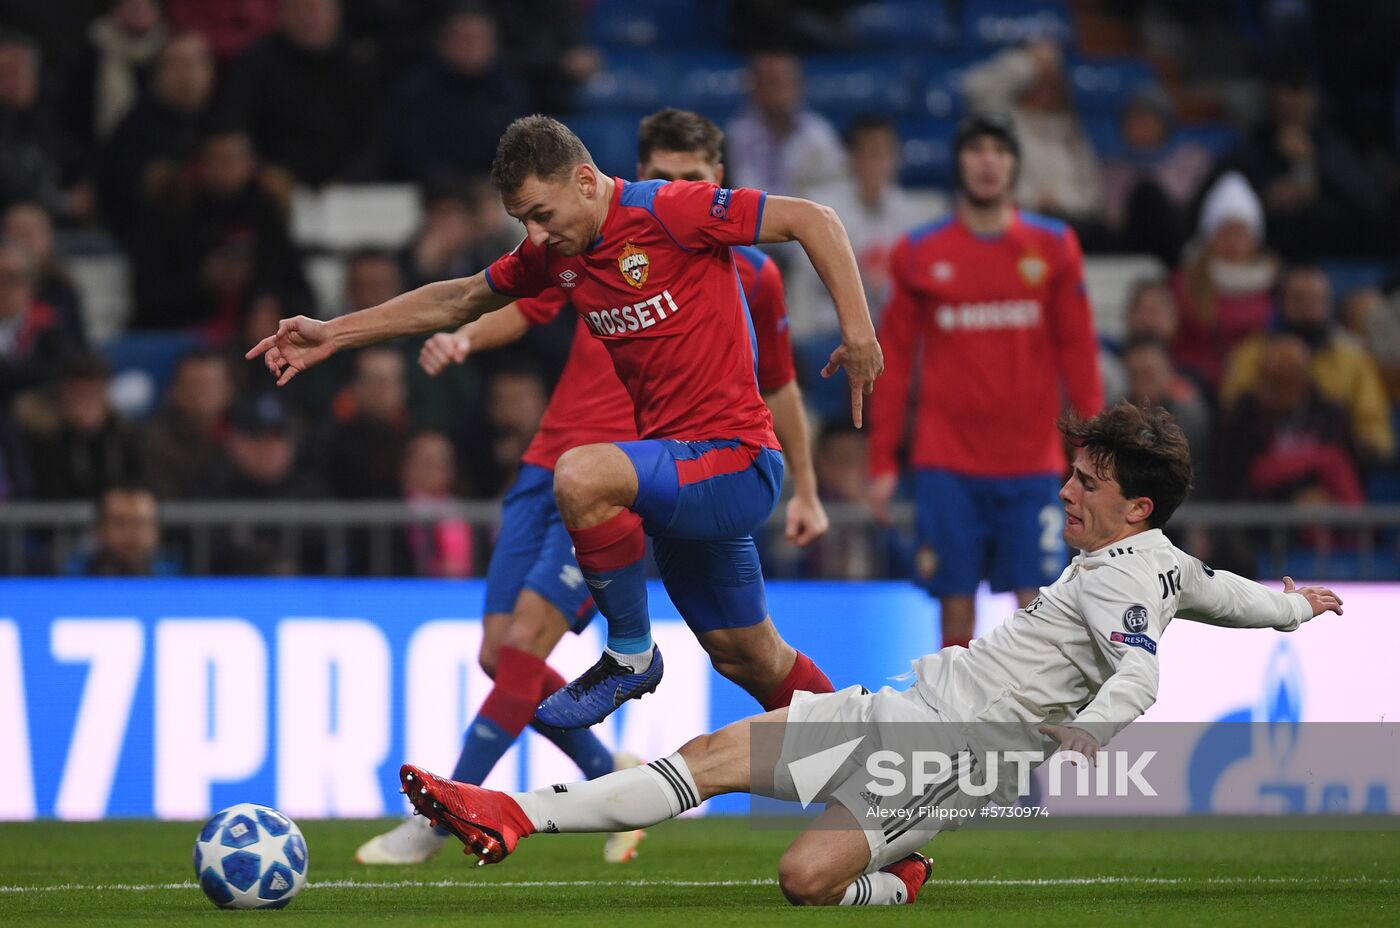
[(250, 857)]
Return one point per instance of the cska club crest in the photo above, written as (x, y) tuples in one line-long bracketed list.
[(1032, 270), (634, 265)]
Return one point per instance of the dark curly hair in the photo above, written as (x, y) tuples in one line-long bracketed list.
[(536, 146), (1143, 449)]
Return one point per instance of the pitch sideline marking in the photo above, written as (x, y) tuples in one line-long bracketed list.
[(691, 884)]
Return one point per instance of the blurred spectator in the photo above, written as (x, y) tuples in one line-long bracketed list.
[(1222, 288), (126, 538), (449, 113), (16, 478), (443, 547), (33, 339), (515, 401), (229, 26), (28, 225), (364, 452), (90, 447), (546, 42), (1341, 369), (211, 238), (1151, 313), (31, 152), (263, 451), (859, 553), (184, 441), (107, 79), (875, 210), (1284, 440), (463, 231), (1152, 380), (165, 124), (308, 99), (1150, 184), (1382, 339), (778, 144), (1318, 196), (371, 277), (1359, 311), (1059, 173)]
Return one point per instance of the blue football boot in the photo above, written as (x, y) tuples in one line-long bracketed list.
[(595, 695)]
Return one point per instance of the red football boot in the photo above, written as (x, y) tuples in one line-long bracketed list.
[(913, 871), (489, 823)]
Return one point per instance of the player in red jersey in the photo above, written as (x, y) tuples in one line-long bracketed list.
[(994, 298), (651, 272), (535, 591)]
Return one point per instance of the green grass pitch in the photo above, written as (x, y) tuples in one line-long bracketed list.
[(720, 872)]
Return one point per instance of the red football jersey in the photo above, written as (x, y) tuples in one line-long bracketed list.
[(1002, 323), (590, 404), (660, 289)]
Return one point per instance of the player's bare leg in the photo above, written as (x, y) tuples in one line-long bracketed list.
[(826, 866), (593, 486), (958, 615), (759, 660)]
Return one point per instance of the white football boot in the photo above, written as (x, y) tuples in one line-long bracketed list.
[(411, 841), (622, 845)]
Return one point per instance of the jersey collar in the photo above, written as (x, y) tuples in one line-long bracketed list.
[(1152, 538), (613, 209)]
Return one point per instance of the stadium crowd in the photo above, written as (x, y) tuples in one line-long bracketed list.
[(1250, 155)]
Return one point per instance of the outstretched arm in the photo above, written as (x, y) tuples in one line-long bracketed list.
[(806, 516), (302, 342), (787, 219), (1218, 597)]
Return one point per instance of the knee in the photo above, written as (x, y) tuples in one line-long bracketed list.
[(803, 882), (487, 656), (532, 636), (574, 478)]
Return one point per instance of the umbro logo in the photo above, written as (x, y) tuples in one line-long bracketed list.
[(599, 584), (567, 277)]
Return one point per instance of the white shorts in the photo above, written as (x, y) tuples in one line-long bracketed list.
[(894, 827)]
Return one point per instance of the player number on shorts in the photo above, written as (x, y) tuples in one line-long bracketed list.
[(1050, 528)]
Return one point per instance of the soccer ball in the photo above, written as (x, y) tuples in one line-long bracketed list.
[(250, 857)]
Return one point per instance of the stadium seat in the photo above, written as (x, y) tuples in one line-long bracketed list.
[(841, 86), (611, 140), (1220, 139), (1109, 278), (152, 353), (927, 152), (1104, 84), (942, 87), (1348, 275), (909, 24), (658, 23), (345, 217), (710, 83), (1104, 133), (102, 281), (629, 80), (990, 23), (326, 275)]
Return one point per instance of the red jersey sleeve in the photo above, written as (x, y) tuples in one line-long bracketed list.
[(1072, 331), (541, 310), (521, 273), (899, 332), (700, 215), (768, 306)]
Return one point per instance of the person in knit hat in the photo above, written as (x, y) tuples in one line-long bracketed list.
[(1224, 283)]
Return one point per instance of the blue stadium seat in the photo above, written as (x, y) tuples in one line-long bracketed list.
[(658, 24), (1219, 138), (841, 85), (629, 80), (1104, 134), (942, 82), (927, 152), (1104, 84), (1349, 275), (154, 353), (907, 24), (990, 23), (711, 83), (611, 140)]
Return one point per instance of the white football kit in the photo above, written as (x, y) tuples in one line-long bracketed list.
[(1084, 653)]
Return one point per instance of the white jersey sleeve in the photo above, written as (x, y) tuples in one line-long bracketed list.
[(1218, 597), (1125, 614)]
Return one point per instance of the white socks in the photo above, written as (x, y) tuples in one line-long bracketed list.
[(878, 888), (620, 801), (638, 662)]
